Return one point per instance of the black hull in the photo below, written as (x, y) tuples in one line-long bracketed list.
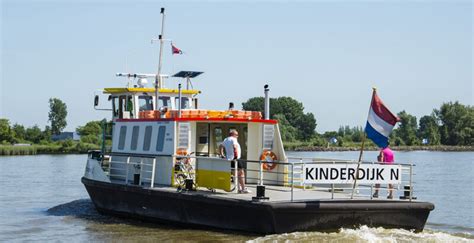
[(258, 217)]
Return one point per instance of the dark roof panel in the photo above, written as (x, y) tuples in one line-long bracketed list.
[(187, 74)]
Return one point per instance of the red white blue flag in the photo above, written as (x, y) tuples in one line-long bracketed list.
[(175, 50), (380, 122)]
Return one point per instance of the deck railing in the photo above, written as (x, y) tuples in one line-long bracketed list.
[(292, 174)]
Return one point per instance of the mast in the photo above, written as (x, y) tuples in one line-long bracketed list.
[(158, 81)]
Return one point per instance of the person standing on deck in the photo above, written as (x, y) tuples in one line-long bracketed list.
[(385, 157), (230, 149)]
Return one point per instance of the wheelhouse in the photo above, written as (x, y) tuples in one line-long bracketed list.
[(178, 127)]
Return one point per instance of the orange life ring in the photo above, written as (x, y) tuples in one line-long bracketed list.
[(182, 152), (268, 156)]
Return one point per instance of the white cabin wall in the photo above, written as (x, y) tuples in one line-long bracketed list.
[(279, 151), (168, 146), (254, 141), (193, 137), (254, 149)]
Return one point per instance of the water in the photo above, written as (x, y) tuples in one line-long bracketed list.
[(42, 199)]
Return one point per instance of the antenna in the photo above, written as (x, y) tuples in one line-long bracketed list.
[(158, 81)]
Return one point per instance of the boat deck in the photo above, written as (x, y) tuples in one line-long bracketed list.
[(282, 194)]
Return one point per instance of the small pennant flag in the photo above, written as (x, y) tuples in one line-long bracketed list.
[(175, 50), (380, 122)]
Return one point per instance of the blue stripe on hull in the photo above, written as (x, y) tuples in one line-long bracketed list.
[(375, 136)]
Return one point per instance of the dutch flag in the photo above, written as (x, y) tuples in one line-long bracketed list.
[(380, 122)]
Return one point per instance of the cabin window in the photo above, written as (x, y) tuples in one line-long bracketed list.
[(123, 134), (184, 103), (121, 105), (115, 106), (135, 131), (218, 138), (184, 129), (129, 105), (145, 103), (164, 101), (268, 134), (147, 140), (160, 140)]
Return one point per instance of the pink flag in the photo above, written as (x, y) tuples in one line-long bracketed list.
[(175, 50)]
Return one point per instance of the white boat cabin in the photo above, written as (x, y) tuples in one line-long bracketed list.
[(179, 128)]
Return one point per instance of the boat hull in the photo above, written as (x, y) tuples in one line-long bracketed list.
[(259, 217)]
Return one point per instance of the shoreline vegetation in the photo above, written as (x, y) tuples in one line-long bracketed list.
[(449, 128), (82, 148), (442, 148), (36, 149)]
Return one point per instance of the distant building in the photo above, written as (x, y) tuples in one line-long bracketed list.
[(21, 144), (66, 136)]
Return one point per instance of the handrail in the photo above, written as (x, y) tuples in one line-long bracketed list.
[(294, 184)]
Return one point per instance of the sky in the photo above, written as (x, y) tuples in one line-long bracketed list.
[(328, 55)]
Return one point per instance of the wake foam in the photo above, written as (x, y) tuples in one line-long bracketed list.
[(367, 234)]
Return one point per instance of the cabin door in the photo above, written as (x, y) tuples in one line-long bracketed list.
[(219, 131)]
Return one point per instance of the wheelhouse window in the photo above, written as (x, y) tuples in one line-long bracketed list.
[(145, 103), (129, 105), (121, 104), (185, 104), (164, 101), (115, 106)]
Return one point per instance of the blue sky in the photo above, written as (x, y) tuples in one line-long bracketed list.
[(327, 55)]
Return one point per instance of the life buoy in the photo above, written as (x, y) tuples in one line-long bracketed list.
[(182, 152), (268, 156)]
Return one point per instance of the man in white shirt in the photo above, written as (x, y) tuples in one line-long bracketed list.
[(230, 149)]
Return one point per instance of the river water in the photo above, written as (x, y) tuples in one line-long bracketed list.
[(42, 199)]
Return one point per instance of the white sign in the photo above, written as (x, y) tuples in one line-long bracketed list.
[(346, 174)]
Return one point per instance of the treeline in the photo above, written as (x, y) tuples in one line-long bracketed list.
[(16, 139), (452, 124)]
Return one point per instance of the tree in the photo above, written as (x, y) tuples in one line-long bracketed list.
[(306, 125), (288, 132), (407, 129), (357, 134), (90, 133), (457, 123), (5, 131), (34, 134), (91, 128), (46, 134), (291, 109), (19, 132), (429, 129), (57, 115), (256, 104)]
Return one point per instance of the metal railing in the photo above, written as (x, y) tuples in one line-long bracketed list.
[(288, 174)]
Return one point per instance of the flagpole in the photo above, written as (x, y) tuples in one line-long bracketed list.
[(361, 152), (158, 81), (358, 165)]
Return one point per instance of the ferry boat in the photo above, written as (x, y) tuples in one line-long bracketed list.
[(164, 165)]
